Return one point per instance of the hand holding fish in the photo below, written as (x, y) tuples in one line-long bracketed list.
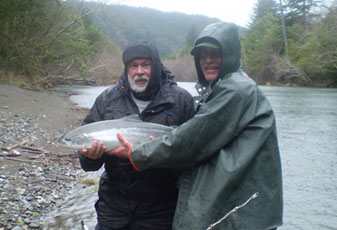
[(124, 149), (95, 151)]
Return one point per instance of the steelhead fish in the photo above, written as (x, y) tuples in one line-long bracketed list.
[(132, 128)]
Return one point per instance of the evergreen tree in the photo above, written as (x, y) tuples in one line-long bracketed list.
[(316, 53), (262, 8), (261, 45), (301, 11)]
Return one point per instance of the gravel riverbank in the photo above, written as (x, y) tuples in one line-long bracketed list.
[(36, 173)]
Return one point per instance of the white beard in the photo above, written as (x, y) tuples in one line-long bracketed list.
[(134, 86)]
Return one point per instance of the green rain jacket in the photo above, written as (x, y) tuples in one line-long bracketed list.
[(227, 152)]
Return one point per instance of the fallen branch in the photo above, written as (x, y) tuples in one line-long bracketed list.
[(53, 180), (31, 151), (34, 150), (36, 156), (21, 160), (254, 196), (9, 148), (39, 181)]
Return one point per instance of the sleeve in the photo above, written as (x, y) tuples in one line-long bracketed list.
[(215, 124), (89, 164)]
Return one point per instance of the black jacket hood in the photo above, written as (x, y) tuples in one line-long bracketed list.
[(144, 49), (225, 35)]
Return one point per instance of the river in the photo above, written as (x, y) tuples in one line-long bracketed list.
[(307, 131)]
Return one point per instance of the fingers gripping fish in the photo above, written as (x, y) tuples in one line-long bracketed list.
[(133, 129)]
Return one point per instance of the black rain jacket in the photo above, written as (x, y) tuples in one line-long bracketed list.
[(120, 184)]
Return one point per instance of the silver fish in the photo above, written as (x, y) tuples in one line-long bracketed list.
[(133, 129)]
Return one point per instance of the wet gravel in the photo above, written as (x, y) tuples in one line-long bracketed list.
[(36, 174)]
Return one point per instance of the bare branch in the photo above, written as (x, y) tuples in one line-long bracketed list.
[(68, 26), (97, 67), (254, 196)]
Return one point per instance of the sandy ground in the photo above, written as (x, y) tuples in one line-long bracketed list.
[(39, 118), (53, 114)]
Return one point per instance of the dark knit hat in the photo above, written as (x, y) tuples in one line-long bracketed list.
[(142, 49)]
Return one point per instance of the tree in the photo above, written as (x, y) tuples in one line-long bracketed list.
[(262, 8), (284, 29), (40, 36), (301, 11), (316, 54), (261, 45)]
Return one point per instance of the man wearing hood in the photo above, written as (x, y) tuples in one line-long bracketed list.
[(129, 199), (228, 151)]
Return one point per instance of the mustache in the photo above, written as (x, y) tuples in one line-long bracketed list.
[(141, 77)]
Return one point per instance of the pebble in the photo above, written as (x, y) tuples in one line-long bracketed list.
[(17, 228), (29, 191)]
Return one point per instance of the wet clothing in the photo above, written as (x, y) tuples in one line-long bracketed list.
[(228, 150), (129, 199)]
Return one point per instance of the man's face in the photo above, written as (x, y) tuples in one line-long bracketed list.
[(210, 61), (139, 73)]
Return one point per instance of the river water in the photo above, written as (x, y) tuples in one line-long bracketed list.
[(307, 131)]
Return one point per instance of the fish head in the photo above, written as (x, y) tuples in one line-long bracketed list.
[(76, 141)]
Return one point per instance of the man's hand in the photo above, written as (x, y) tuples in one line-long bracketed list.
[(95, 152), (123, 150)]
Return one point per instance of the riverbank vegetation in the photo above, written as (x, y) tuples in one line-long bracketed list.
[(45, 42), (293, 41)]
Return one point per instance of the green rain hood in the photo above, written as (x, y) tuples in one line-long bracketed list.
[(227, 152)]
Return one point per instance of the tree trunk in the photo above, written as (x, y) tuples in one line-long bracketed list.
[(284, 29)]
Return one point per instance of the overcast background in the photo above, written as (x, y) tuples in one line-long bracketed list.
[(238, 11)]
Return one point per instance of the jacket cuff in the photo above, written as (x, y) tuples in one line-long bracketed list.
[(89, 164), (133, 163)]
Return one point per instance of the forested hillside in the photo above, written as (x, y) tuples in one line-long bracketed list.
[(169, 31), (44, 42)]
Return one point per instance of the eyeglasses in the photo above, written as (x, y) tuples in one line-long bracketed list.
[(135, 66), (210, 52)]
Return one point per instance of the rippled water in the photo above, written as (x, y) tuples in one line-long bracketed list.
[(307, 131), (76, 208)]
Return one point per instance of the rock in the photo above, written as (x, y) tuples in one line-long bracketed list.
[(31, 190), (17, 228), (34, 225)]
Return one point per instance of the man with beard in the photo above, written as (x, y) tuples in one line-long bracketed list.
[(129, 199), (228, 151)]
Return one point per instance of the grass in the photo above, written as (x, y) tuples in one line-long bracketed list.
[(35, 213), (10, 78), (88, 181), (22, 81)]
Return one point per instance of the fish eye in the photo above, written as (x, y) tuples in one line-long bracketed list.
[(80, 140)]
